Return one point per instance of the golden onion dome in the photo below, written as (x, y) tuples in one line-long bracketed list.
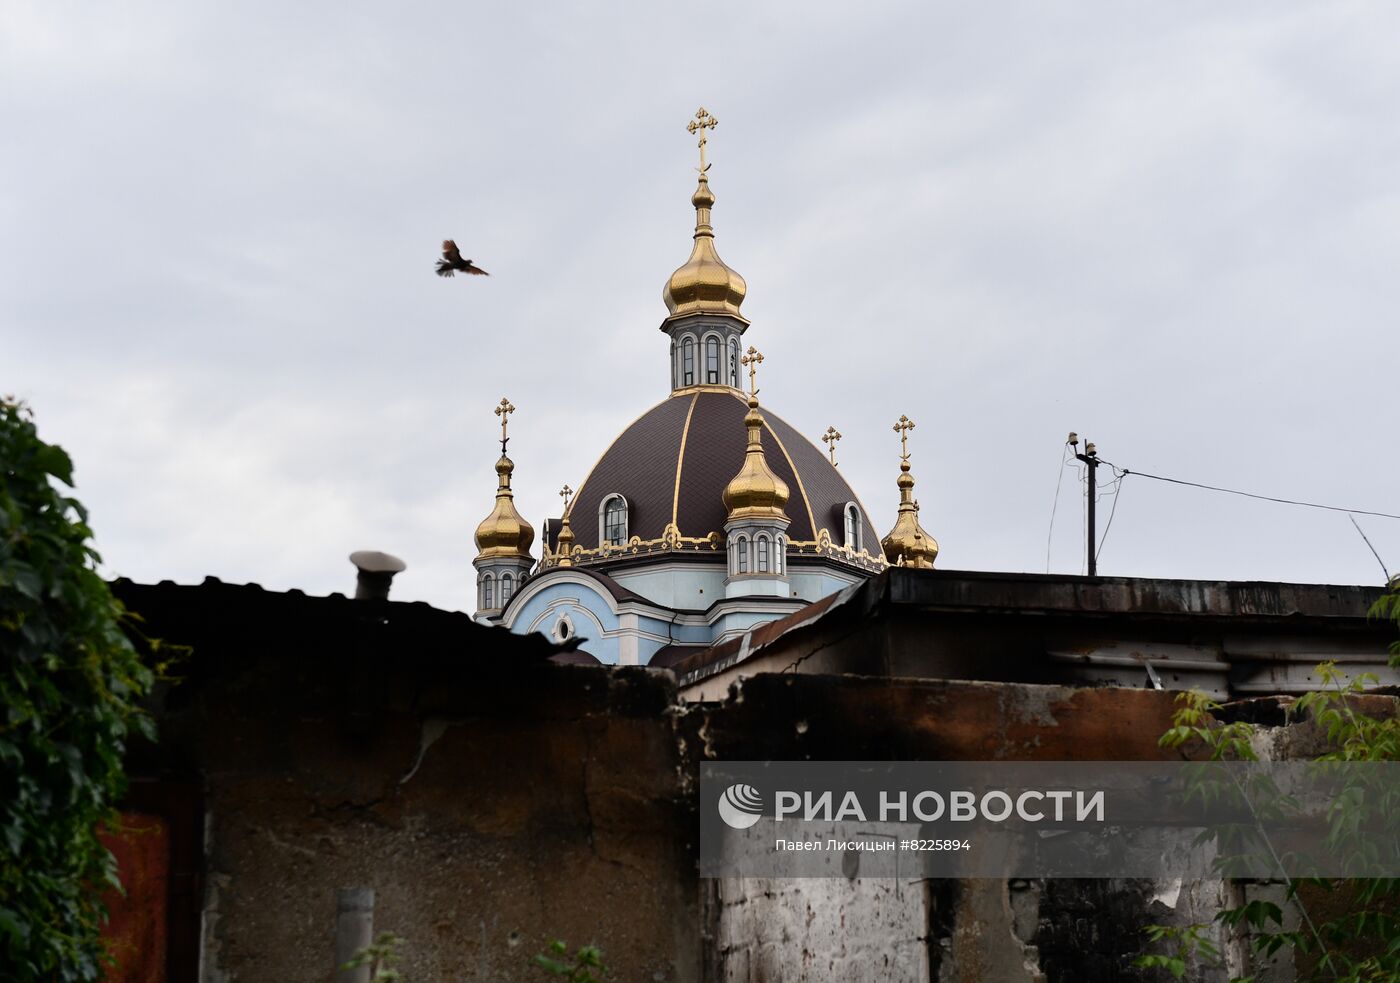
[(908, 543), (704, 285), (755, 492), (504, 532)]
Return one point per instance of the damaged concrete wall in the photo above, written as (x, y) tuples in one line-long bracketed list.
[(490, 811), (493, 801), (973, 931), (806, 931), (493, 808)]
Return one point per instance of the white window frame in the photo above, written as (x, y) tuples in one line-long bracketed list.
[(688, 356), (603, 518), (717, 342), (563, 628), (851, 521)]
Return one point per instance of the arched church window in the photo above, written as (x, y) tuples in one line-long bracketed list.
[(488, 592), (507, 585), (743, 554), (734, 362), (614, 520), (763, 560), (688, 362), (712, 361), (852, 527), (779, 549)]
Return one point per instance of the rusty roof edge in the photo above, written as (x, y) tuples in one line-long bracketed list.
[(856, 600), (237, 600), (1066, 594)]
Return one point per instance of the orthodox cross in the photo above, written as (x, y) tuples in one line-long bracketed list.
[(902, 428), (753, 359), (504, 411), (567, 494), (703, 121), (830, 438)]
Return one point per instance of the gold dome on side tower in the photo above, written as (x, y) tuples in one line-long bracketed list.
[(756, 491), (504, 533), (704, 285), (908, 543)]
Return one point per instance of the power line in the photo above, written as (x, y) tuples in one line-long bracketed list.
[(1265, 498), (1367, 541), (1055, 506), (1117, 489)]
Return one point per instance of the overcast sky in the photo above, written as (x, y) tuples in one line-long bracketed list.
[(1172, 227)]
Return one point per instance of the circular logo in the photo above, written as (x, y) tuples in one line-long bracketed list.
[(741, 806)]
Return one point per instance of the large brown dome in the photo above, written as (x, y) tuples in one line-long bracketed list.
[(673, 462)]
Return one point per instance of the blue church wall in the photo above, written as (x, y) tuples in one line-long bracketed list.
[(633, 635), (588, 611)]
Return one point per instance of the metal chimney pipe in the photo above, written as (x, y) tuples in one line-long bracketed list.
[(354, 930), (376, 573)]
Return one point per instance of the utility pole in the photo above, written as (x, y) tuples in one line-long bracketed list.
[(1091, 459)]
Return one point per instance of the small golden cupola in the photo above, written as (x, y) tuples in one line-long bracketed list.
[(756, 491), (503, 539), (564, 552), (755, 528), (504, 532), (705, 284), (908, 543)]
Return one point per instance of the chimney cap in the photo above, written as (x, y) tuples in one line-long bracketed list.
[(373, 561)]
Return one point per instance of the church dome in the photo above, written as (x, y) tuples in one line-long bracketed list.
[(504, 532), (755, 491), (671, 467), (705, 284), (908, 543)]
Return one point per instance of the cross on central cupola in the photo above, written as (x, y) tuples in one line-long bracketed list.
[(703, 296), (703, 121)]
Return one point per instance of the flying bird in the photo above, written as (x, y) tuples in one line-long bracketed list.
[(452, 260)]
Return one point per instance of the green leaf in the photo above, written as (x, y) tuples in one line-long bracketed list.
[(53, 460), (16, 931)]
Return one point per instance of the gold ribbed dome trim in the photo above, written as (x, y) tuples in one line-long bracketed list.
[(756, 491), (504, 533), (705, 284), (680, 463)]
